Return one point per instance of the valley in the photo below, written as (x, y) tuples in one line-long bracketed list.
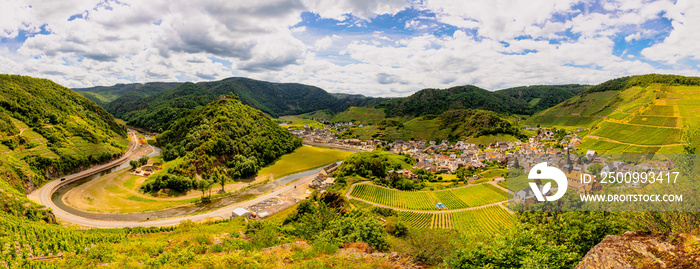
[(394, 173)]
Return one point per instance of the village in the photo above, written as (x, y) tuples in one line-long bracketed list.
[(445, 157), (556, 147)]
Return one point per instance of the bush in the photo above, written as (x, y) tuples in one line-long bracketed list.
[(430, 246)]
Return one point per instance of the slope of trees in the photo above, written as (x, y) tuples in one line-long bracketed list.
[(623, 83), (510, 101), (225, 133), (154, 106), (541, 97), (475, 123), (43, 124)]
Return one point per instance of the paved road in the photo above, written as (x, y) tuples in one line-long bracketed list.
[(43, 196), (347, 195)]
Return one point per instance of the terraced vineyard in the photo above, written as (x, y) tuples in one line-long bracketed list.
[(473, 196), (483, 221), (640, 119)]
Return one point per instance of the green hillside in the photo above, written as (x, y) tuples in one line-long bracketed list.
[(47, 130), (541, 97), (149, 105), (638, 114), (103, 95), (224, 136), (478, 126), (158, 112), (520, 100), (360, 115)]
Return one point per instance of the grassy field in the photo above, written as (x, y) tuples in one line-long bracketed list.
[(295, 122), (117, 192), (303, 159), (473, 196), (360, 115), (578, 111), (318, 114), (483, 221)]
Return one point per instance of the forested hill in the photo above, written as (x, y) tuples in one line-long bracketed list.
[(541, 97), (242, 138), (103, 95), (520, 100), (47, 130), (153, 107)]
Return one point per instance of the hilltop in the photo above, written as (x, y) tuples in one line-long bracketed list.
[(224, 136), (519, 100)]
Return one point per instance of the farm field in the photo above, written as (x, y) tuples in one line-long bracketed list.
[(473, 196), (302, 159), (360, 115), (295, 122), (483, 221)]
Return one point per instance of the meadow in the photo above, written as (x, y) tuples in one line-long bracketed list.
[(302, 159), (360, 115)]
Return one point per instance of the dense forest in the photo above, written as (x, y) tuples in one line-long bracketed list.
[(465, 123), (155, 106), (225, 134), (623, 83), (520, 100), (47, 129), (134, 91)]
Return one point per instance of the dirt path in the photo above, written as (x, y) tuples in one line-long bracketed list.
[(644, 125), (630, 144), (347, 195)]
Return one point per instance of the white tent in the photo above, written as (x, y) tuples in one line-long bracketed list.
[(238, 212)]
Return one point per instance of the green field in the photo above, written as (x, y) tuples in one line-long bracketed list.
[(473, 196), (360, 115), (295, 122), (636, 134), (302, 159), (578, 111), (483, 221), (318, 114)]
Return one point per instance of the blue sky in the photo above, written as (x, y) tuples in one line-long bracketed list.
[(371, 47)]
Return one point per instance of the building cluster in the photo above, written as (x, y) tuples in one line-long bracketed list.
[(574, 167)]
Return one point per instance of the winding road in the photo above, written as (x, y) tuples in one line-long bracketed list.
[(43, 196)]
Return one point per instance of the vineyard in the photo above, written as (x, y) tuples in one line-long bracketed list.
[(473, 196), (22, 240), (483, 221)]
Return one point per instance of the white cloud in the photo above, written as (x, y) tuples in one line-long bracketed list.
[(323, 43), (682, 42), (159, 40), (364, 9)]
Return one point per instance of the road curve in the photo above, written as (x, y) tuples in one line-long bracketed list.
[(43, 196)]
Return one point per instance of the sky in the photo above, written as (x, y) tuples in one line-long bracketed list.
[(386, 48)]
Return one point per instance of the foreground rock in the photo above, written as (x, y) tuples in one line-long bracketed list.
[(644, 250)]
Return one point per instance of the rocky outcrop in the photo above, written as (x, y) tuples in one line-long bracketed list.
[(636, 249)]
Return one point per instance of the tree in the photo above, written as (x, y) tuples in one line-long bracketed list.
[(143, 160), (134, 164), (595, 168), (220, 177), (204, 185)]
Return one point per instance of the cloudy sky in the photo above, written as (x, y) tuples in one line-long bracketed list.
[(371, 47)]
